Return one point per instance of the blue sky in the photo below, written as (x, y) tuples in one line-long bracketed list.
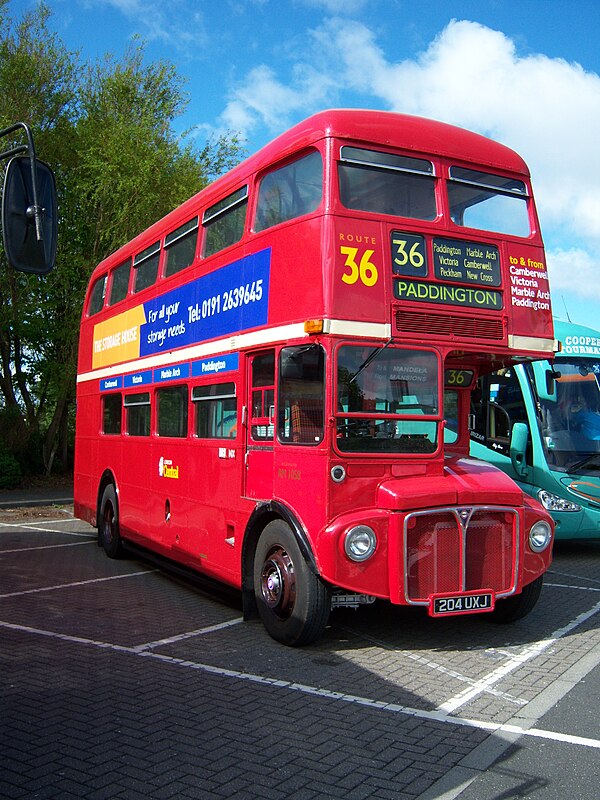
[(524, 72)]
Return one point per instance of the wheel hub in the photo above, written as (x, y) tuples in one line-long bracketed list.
[(278, 582)]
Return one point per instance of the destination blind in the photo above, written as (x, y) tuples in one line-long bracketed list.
[(447, 294), (454, 260), (466, 262)]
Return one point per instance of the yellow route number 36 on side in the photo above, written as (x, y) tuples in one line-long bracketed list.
[(359, 268)]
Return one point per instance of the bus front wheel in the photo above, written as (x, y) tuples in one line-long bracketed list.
[(110, 537), (293, 602), (513, 608)]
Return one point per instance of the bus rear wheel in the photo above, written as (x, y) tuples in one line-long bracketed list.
[(293, 602), (513, 608), (108, 531)]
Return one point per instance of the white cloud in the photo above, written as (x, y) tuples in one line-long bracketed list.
[(545, 108), (575, 271), (263, 99), (171, 24)]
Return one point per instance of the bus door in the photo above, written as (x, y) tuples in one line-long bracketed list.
[(259, 463)]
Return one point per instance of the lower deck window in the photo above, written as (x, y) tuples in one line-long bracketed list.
[(172, 411), (216, 411), (111, 414), (137, 409)]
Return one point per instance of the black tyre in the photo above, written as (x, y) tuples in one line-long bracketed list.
[(513, 608), (293, 602), (108, 527)]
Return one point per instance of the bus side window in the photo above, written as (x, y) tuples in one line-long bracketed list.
[(290, 192), (216, 411), (137, 414), (224, 221), (172, 411), (180, 247), (97, 295), (498, 425), (145, 265), (498, 407), (111, 414), (120, 282)]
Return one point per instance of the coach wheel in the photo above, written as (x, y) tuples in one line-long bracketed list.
[(513, 608), (110, 538), (293, 603)]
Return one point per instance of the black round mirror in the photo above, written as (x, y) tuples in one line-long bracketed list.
[(30, 245)]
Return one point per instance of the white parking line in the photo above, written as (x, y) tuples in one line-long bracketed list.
[(572, 586), (325, 694), (570, 575), (189, 635), (45, 547), (77, 583), (51, 520), (435, 667), (461, 699), (37, 529)]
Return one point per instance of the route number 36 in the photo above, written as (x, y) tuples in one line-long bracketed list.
[(362, 269)]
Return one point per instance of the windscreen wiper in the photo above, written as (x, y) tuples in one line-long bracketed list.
[(585, 462), (371, 357)]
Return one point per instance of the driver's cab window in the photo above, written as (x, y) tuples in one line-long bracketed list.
[(497, 403)]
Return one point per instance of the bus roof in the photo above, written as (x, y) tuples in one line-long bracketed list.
[(387, 128), (576, 340), (379, 128)]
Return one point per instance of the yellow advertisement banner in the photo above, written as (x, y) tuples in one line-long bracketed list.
[(118, 339)]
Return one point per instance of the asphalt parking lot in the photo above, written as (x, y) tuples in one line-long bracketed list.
[(118, 680)]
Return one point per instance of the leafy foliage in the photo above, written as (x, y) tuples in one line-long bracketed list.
[(107, 131)]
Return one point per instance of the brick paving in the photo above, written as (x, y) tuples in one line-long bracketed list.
[(117, 681)]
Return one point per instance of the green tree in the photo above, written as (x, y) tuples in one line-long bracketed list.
[(107, 130), (38, 79)]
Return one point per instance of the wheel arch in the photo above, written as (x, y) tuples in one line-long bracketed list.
[(259, 519)]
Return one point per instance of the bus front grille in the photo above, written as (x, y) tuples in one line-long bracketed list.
[(454, 326), (455, 550)]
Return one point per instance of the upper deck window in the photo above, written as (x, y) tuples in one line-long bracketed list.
[(146, 267), (180, 246), (488, 202), (97, 295), (384, 183), (224, 222), (120, 283), (289, 192)]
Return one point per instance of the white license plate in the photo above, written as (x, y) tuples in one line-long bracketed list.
[(447, 605)]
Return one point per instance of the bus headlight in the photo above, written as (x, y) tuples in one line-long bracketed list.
[(552, 502), (540, 536), (360, 543)]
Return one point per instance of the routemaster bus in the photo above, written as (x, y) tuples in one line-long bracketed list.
[(265, 376), (540, 423)]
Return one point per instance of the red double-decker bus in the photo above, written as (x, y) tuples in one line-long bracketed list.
[(274, 380)]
